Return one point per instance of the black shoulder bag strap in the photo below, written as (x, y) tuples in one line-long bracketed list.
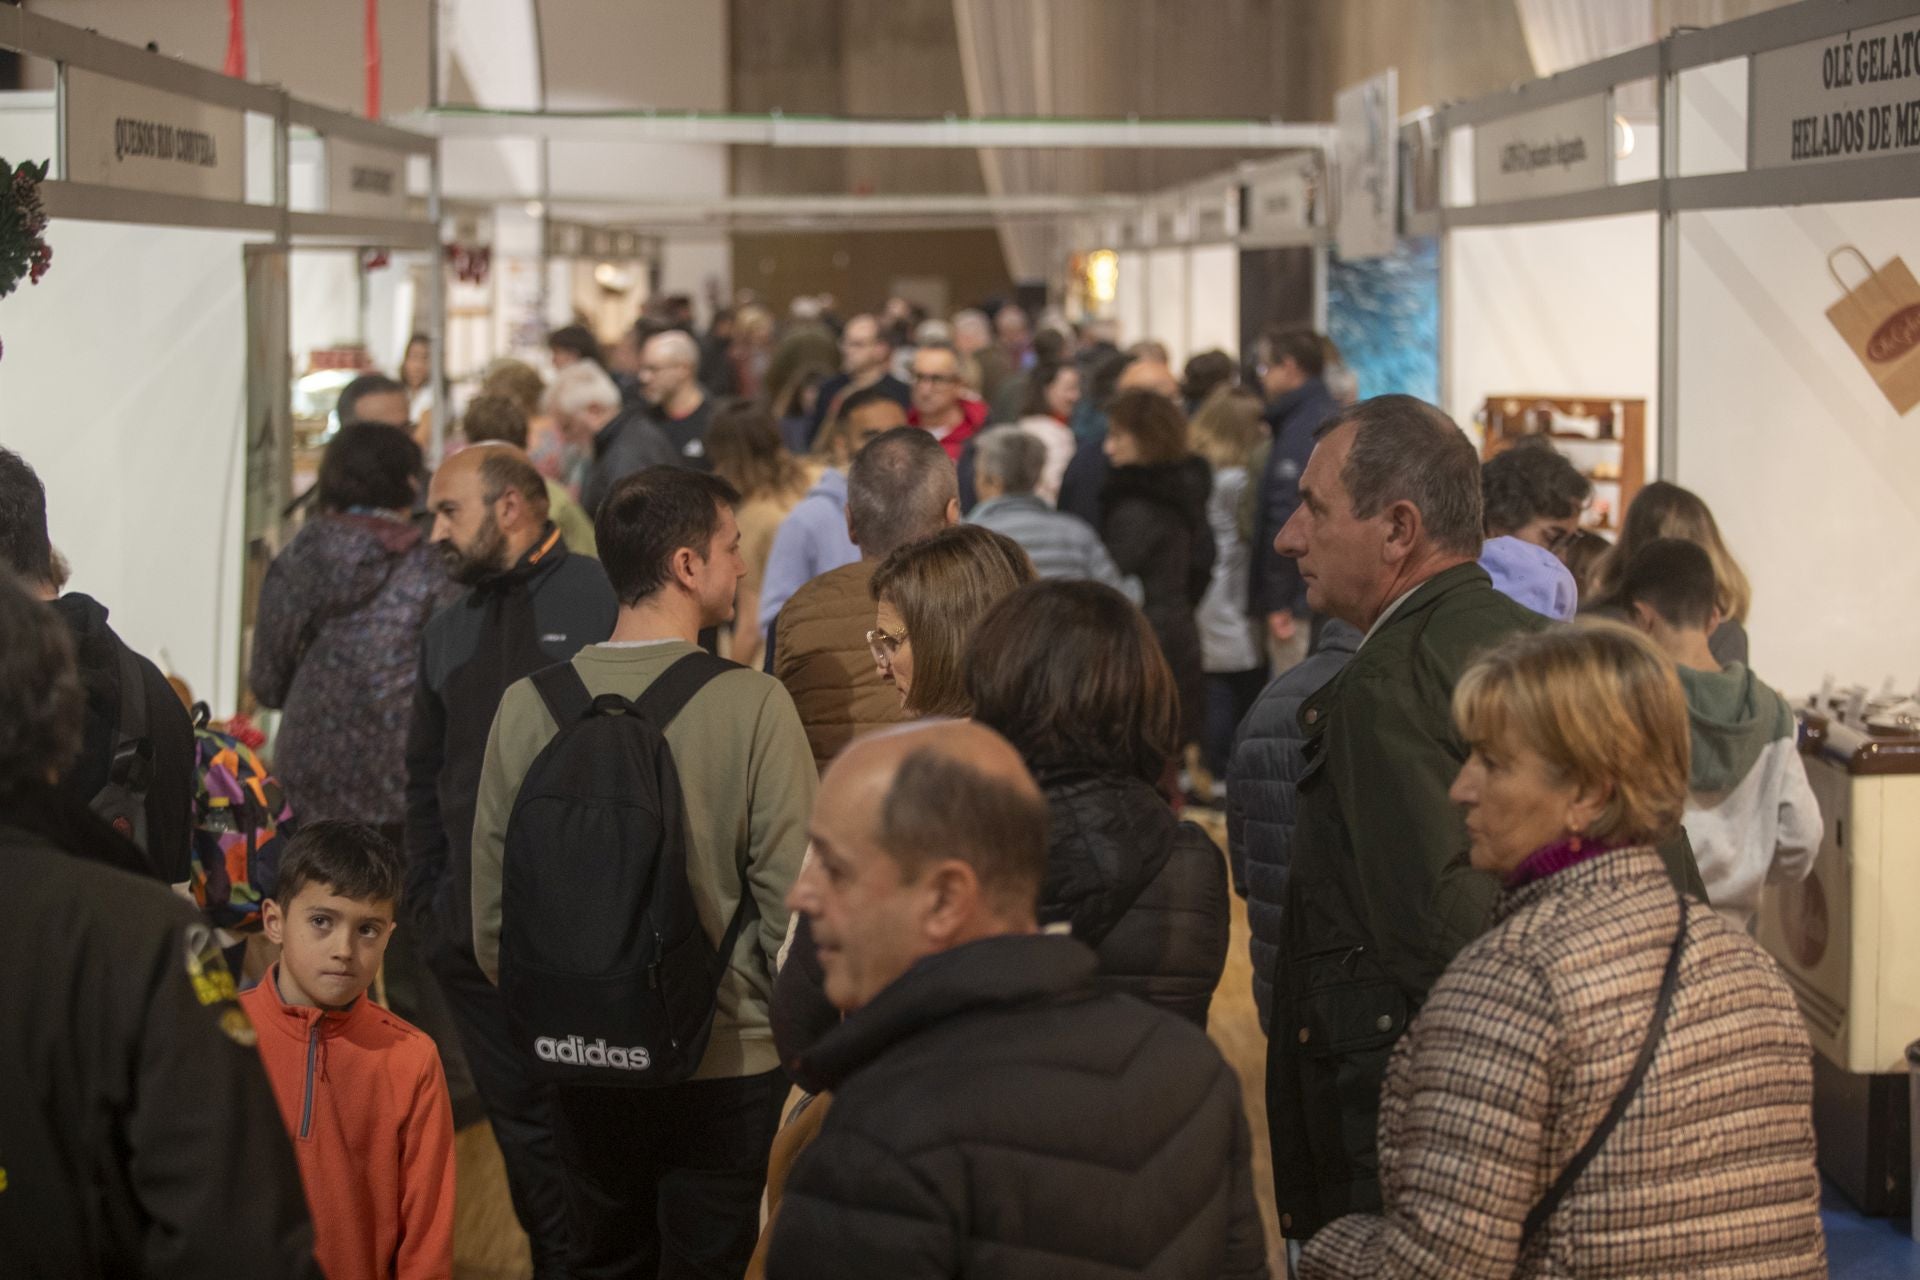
[(1584, 1157)]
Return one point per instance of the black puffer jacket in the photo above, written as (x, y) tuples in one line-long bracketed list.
[(1146, 891), (995, 1116), (1154, 521)]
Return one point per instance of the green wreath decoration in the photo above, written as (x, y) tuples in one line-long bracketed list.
[(23, 253)]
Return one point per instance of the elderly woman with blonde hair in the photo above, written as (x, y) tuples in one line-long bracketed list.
[(1610, 1082)]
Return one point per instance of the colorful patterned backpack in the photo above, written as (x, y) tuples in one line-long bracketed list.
[(241, 825)]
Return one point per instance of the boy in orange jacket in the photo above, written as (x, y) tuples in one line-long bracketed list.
[(360, 1090)]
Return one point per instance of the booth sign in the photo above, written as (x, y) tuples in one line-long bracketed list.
[(367, 182), (1366, 215), (1554, 151), (1846, 96), (120, 134)]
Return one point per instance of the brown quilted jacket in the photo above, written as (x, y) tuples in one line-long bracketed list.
[(820, 653), (1517, 1055)]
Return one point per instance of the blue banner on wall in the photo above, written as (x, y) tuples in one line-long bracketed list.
[(1384, 314)]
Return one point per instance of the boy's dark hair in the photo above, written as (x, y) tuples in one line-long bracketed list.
[(1674, 578), (1528, 480), (368, 465), (367, 384), (24, 545), (41, 703), (648, 517), (350, 858), (864, 397)]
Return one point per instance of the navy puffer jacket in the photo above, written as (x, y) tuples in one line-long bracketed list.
[(1261, 776)]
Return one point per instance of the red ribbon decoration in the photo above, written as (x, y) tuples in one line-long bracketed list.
[(237, 39), (373, 59)]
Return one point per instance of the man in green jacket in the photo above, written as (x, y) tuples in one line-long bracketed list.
[(1380, 895)]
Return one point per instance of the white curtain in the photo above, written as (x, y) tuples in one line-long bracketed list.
[(1562, 34), (1007, 60)]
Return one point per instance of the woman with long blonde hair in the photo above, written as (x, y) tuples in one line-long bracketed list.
[(745, 448), (1225, 431), (1665, 510)]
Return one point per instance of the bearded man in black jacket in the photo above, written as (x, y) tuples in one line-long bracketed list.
[(993, 1114), (529, 603)]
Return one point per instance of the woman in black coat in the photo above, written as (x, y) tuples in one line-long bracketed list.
[(1153, 518), (1070, 674)]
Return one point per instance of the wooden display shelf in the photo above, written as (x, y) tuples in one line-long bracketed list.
[(1622, 424)]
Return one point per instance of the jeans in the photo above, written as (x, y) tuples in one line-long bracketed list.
[(666, 1182)]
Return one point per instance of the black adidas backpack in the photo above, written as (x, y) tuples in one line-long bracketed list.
[(607, 975)]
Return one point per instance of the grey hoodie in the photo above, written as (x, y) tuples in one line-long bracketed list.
[(1751, 814)]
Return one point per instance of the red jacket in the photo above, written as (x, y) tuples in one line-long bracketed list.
[(365, 1103), (973, 417)]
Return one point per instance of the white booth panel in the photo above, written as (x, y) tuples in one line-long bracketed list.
[(323, 292), (1167, 301), (1213, 298), (29, 128), (1130, 297), (1554, 308), (1713, 118), (124, 385), (1810, 470)]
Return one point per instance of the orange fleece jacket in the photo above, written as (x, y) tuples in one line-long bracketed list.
[(365, 1103)]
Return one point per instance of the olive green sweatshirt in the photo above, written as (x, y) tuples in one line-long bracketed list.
[(748, 779)]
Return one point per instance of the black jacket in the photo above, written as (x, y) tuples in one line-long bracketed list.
[(544, 610), (1146, 891), (1154, 521), (170, 796), (1273, 580), (995, 1116), (138, 1133), (1261, 776), (631, 442)]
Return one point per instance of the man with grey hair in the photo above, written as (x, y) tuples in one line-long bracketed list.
[(1379, 895), (1006, 470), (901, 488), (681, 408), (585, 402)]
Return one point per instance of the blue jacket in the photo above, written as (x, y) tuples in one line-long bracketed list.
[(1261, 776), (1273, 583), (811, 541)]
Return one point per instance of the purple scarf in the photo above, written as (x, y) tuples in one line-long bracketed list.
[(1569, 851)]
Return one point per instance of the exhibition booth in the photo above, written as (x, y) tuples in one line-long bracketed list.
[(182, 228), (1740, 316)]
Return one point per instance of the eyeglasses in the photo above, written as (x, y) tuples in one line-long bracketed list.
[(936, 379), (883, 645)]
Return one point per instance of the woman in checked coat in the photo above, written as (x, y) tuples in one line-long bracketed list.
[(1532, 1036)]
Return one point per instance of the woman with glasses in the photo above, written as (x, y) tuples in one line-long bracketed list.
[(928, 597), (1611, 1081)]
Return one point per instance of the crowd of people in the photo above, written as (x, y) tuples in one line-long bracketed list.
[(759, 767)]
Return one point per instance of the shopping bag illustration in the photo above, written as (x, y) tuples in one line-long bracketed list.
[(1880, 319)]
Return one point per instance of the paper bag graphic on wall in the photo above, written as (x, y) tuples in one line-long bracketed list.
[(1880, 319)]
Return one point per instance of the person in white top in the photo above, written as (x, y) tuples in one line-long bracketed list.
[(1053, 390)]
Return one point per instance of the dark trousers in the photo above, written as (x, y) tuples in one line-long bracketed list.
[(1230, 695), (666, 1182), (520, 1107)]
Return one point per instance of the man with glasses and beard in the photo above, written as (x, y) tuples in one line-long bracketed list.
[(528, 604)]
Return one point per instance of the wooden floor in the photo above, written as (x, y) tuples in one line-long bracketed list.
[(488, 1244)]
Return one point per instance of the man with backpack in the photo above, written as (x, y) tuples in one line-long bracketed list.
[(530, 601), (136, 763), (641, 815)]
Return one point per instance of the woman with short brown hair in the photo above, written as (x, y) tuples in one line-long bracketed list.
[(1071, 674), (1153, 518), (928, 596), (1610, 1082)]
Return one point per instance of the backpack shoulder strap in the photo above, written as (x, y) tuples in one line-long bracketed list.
[(565, 693), (1648, 1047), (132, 765), (676, 686)]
